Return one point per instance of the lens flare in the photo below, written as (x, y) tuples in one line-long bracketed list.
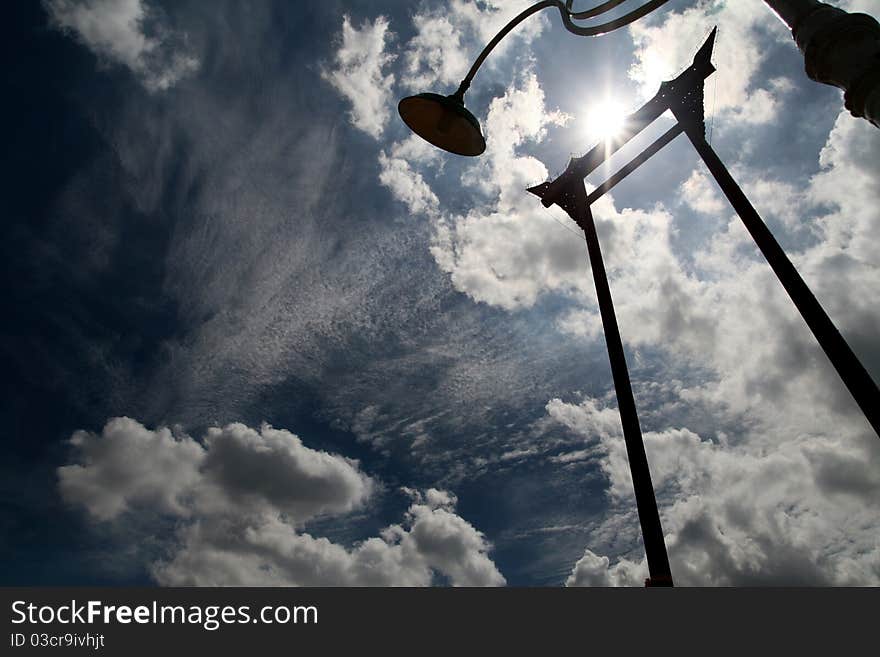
[(605, 120)]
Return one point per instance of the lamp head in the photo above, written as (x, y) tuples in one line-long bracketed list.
[(444, 122)]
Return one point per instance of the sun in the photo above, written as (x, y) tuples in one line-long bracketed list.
[(605, 119)]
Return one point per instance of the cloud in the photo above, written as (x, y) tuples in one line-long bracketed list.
[(234, 469), (788, 495), (700, 193), (406, 184), (842, 266), (782, 201), (128, 466), (434, 54), (240, 496), (726, 315), (593, 570), (129, 33), (786, 490), (769, 357), (849, 183), (358, 74), (430, 540), (507, 250), (249, 469), (450, 37), (451, 545)]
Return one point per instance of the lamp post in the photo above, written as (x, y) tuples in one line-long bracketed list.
[(446, 123)]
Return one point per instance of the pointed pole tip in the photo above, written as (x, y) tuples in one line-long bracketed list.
[(704, 54), (539, 190)]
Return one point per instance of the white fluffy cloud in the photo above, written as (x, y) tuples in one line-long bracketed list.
[(242, 495), (594, 570), (432, 539), (849, 182), (115, 30), (234, 469), (359, 75), (129, 465), (506, 251), (701, 193), (789, 497), (754, 340), (406, 184)]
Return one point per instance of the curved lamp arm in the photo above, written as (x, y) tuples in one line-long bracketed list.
[(567, 16), (443, 120)]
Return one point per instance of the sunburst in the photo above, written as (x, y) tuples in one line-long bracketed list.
[(605, 120)]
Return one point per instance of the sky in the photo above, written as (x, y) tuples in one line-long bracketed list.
[(255, 332)]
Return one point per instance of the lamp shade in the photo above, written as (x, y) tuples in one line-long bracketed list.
[(444, 122)]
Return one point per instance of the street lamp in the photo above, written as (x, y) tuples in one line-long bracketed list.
[(446, 123)]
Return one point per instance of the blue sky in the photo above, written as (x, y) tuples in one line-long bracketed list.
[(257, 333)]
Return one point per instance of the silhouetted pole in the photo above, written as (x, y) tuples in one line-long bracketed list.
[(574, 201), (855, 377)]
